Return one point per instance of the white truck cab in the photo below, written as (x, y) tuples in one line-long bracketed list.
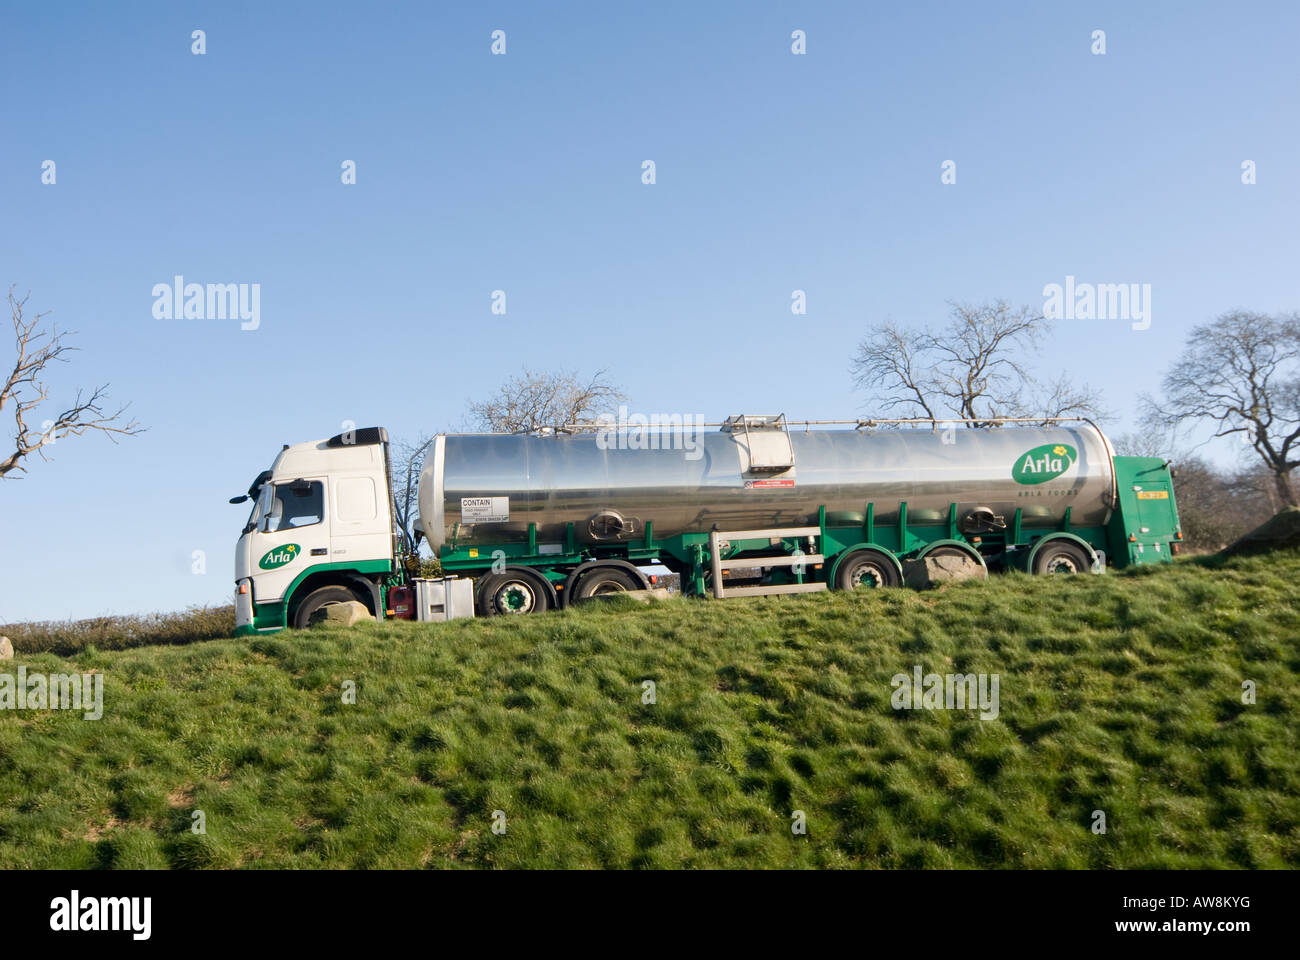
[(320, 531)]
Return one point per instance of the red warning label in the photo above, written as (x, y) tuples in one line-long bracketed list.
[(763, 484)]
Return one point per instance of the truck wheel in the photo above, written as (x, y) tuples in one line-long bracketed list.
[(512, 592), (602, 582), (317, 600), (1062, 556), (866, 568)]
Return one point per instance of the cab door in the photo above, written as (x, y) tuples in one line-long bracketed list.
[(292, 536)]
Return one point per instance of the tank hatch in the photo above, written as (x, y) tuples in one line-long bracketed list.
[(765, 438)]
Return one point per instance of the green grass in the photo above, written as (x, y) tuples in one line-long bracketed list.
[(1119, 693)]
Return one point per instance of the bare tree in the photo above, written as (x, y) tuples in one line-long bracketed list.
[(890, 363), (975, 368), (25, 389), (1241, 374), (531, 401), (408, 462), (1063, 398), (1146, 443), (1216, 507)]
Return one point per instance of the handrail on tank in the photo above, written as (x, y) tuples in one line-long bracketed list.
[(595, 425)]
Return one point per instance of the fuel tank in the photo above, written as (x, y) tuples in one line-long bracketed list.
[(481, 489)]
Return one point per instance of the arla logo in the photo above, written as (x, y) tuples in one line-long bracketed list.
[(1043, 463), (279, 556)]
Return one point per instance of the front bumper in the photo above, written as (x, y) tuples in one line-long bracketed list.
[(243, 604)]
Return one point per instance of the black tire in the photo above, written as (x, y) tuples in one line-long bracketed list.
[(866, 569), (1062, 556), (603, 581), (512, 592), (317, 600)]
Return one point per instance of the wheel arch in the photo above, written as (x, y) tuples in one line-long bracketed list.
[(519, 569), (834, 568), (1077, 540), (366, 589), (961, 545), (587, 566)]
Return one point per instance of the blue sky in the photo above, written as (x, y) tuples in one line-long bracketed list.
[(522, 172)]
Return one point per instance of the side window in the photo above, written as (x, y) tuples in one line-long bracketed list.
[(297, 505)]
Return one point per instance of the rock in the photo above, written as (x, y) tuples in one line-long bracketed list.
[(344, 614), (1277, 533), (640, 596), (945, 568), (646, 596), (6, 649)]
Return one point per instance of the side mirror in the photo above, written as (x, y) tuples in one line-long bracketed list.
[(239, 499)]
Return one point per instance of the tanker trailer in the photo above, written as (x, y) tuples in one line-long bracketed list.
[(752, 505)]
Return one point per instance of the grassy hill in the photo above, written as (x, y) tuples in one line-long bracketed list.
[(1120, 693)]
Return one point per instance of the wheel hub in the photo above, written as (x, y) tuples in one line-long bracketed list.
[(515, 597), (869, 575)]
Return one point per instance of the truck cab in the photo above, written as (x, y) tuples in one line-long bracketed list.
[(320, 531)]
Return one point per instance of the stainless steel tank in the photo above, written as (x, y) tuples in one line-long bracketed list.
[(487, 488)]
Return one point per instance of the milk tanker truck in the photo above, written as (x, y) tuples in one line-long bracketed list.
[(529, 522)]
